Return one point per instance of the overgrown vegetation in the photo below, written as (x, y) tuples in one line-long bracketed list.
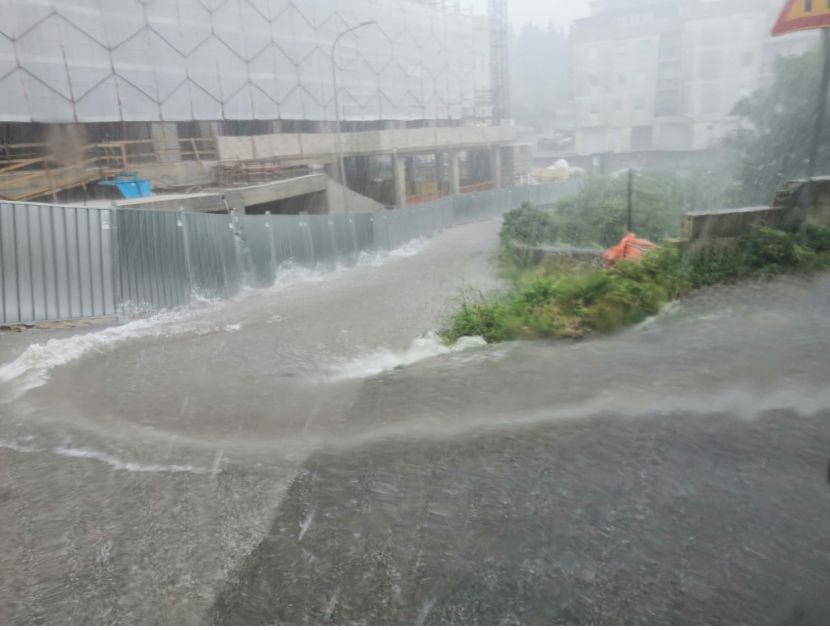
[(597, 216), (529, 226), (581, 302), (773, 144)]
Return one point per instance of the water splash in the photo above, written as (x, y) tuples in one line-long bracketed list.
[(380, 361), (116, 463), (32, 367)]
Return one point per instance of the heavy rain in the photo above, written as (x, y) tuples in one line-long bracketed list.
[(414, 312)]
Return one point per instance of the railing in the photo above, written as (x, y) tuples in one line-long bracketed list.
[(256, 172), (31, 171), (59, 263)]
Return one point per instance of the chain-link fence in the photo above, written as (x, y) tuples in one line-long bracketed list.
[(62, 263)]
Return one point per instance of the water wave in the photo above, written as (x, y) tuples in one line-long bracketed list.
[(112, 461), (380, 361), (32, 367)]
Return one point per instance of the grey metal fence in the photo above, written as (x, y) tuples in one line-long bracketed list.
[(56, 263), (60, 263)]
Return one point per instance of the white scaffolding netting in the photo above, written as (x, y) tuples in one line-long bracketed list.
[(181, 60)]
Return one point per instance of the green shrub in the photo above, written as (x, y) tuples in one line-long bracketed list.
[(528, 226), (478, 318), (573, 304), (815, 238)]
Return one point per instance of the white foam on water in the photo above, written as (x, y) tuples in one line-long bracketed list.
[(135, 467), (105, 458), (380, 361), (739, 403), (378, 259), (290, 274), (18, 447), (32, 367)]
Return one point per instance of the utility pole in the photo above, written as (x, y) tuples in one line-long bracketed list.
[(499, 60), (630, 200), (822, 102)]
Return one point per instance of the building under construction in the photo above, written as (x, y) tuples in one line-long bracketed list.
[(200, 94)]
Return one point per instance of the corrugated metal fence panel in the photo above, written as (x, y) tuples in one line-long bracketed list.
[(261, 249), (153, 265), (321, 228), (62, 263), (212, 257), (364, 232), (292, 240), (55, 263)]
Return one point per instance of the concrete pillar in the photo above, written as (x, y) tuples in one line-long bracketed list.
[(455, 173), (495, 166), (399, 176), (166, 141), (440, 171)]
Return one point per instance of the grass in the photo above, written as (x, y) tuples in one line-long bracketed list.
[(577, 302)]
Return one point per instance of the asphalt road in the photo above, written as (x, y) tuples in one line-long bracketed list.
[(293, 457)]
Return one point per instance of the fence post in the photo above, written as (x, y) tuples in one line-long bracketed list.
[(115, 255), (182, 224), (270, 225)]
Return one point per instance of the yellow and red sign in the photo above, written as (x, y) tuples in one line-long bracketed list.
[(802, 15)]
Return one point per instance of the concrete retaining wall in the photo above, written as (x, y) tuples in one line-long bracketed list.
[(796, 201)]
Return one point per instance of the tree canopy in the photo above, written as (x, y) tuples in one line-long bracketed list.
[(778, 128)]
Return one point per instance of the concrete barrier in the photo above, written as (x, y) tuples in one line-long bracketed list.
[(797, 201)]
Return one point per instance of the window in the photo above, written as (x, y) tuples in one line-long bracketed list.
[(639, 103), (667, 103)]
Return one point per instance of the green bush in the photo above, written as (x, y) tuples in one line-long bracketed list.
[(573, 304), (598, 214), (529, 226)]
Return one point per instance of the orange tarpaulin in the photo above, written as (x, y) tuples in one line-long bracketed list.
[(630, 248)]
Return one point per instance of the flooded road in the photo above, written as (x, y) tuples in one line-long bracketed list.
[(312, 454)]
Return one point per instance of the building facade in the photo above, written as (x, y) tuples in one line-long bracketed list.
[(200, 92), (87, 61), (666, 74)]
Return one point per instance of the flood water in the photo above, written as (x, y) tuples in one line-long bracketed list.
[(313, 454)]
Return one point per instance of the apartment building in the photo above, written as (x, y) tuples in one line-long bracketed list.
[(666, 74)]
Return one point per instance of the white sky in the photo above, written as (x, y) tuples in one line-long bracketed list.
[(541, 12)]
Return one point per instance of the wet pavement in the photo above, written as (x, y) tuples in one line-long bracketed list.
[(311, 455)]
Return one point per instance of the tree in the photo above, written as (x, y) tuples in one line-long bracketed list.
[(778, 127), (598, 214)]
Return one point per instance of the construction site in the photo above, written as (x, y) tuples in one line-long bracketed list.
[(255, 106)]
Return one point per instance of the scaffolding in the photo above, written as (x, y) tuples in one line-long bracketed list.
[(499, 60)]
